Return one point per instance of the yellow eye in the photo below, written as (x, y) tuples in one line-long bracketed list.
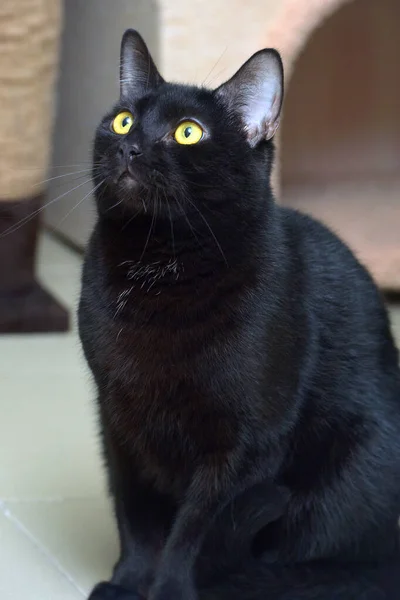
[(188, 132), (122, 123)]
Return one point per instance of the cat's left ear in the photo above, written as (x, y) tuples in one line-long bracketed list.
[(256, 93), (138, 73)]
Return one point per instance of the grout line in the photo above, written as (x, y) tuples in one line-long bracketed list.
[(41, 548)]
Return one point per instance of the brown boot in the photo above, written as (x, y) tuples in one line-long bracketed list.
[(25, 307)]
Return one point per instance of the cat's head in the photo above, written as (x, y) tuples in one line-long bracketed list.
[(169, 147)]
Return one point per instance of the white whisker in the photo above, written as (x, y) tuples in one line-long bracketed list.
[(64, 175), (80, 202), (39, 210), (210, 230), (82, 164), (172, 225), (215, 65)]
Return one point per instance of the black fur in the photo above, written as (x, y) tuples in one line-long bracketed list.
[(248, 383)]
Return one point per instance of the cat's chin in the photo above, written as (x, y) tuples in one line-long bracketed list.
[(127, 194), (128, 182)]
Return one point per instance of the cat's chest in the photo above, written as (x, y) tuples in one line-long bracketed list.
[(167, 386), (159, 409), (160, 401), (168, 428)]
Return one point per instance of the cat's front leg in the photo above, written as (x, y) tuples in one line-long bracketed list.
[(144, 517), (212, 488)]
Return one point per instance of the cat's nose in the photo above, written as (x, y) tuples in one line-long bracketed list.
[(128, 152)]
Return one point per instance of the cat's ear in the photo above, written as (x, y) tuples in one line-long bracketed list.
[(138, 73), (256, 93)]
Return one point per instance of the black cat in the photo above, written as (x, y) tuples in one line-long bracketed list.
[(248, 383)]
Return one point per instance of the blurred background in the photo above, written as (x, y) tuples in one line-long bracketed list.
[(338, 159)]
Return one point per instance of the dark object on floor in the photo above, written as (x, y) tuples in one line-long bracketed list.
[(25, 307), (108, 591)]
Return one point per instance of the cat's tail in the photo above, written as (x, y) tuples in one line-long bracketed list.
[(317, 581)]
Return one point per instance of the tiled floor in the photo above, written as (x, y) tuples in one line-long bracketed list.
[(57, 535)]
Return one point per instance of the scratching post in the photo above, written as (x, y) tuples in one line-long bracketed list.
[(28, 64)]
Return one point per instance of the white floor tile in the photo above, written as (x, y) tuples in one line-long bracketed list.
[(79, 534), (49, 444), (26, 572), (39, 354)]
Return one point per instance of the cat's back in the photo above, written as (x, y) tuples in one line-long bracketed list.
[(355, 345), (350, 414), (326, 258), (338, 286)]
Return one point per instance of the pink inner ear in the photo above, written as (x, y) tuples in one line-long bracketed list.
[(271, 128), (265, 132), (261, 111), (255, 92), (267, 126), (272, 124)]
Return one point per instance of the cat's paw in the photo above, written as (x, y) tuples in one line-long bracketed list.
[(108, 591)]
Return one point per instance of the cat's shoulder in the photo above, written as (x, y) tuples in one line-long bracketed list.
[(326, 260), (308, 228), (316, 240)]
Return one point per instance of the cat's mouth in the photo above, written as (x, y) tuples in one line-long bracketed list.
[(127, 179), (131, 179)]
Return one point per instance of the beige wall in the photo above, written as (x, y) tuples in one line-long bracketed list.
[(195, 34)]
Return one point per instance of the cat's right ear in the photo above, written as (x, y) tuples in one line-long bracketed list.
[(138, 73), (255, 92)]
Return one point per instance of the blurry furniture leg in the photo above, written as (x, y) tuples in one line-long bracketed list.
[(29, 41), (25, 307)]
